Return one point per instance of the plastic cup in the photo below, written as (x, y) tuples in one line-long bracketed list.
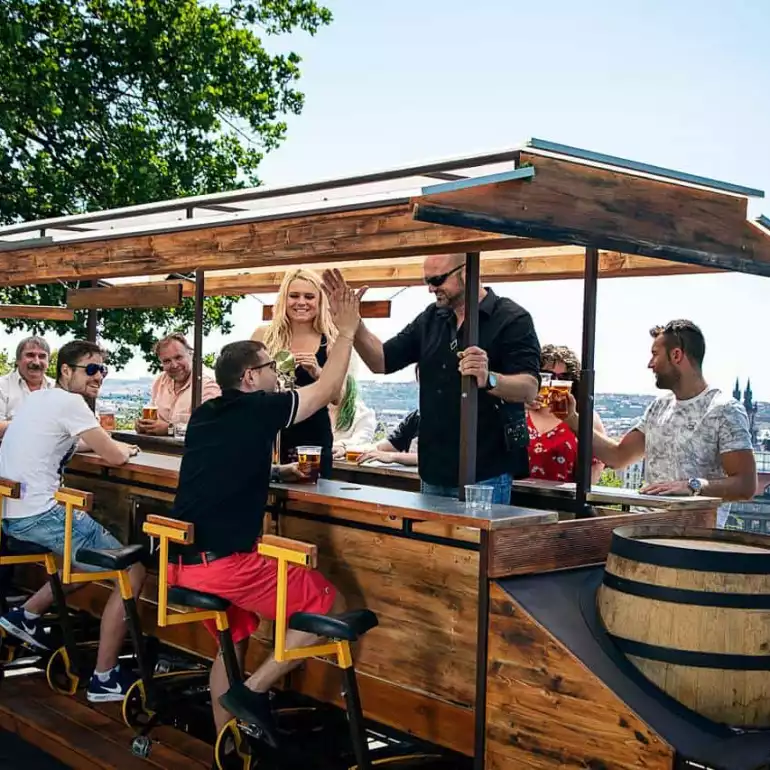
[(478, 497), (309, 458), (353, 455)]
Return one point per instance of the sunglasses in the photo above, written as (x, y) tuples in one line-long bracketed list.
[(438, 280), (92, 369)]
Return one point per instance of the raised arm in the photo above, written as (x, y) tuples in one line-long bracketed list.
[(616, 454), (345, 314), (367, 345)]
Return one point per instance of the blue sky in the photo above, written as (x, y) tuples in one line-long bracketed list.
[(680, 84)]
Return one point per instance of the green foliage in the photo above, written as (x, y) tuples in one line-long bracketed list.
[(6, 363), (107, 103), (610, 479), (51, 370)]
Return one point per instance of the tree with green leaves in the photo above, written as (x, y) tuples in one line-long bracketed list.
[(107, 103)]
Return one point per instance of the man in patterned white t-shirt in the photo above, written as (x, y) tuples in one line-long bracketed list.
[(695, 439)]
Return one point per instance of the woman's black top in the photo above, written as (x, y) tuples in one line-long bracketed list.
[(316, 430)]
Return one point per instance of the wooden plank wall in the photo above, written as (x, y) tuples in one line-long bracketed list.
[(546, 710)]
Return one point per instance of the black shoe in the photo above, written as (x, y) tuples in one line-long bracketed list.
[(252, 708)]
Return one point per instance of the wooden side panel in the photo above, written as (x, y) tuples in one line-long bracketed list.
[(546, 710), (575, 542), (37, 312), (150, 295), (426, 599)]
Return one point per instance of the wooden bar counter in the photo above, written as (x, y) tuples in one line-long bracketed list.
[(438, 665)]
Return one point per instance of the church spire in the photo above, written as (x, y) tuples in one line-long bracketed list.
[(737, 390)]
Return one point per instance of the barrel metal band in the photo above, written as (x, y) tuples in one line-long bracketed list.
[(717, 660), (687, 596), (691, 558)]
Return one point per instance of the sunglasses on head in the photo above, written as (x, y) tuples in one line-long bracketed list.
[(92, 369), (438, 280)]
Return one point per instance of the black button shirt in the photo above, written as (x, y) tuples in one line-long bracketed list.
[(507, 334), (225, 473)]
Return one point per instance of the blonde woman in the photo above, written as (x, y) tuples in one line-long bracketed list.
[(302, 324)]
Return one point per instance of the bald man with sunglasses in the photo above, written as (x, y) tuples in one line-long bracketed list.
[(48, 428), (506, 365)]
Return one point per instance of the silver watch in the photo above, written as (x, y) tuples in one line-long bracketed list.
[(695, 486)]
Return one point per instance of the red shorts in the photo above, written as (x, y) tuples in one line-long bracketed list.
[(250, 583)]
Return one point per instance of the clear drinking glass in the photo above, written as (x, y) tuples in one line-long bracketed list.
[(478, 497)]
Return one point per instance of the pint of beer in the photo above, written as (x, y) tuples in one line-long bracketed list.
[(352, 455), (150, 412), (558, 400), (107, 419), (545, 386), (309, 458)]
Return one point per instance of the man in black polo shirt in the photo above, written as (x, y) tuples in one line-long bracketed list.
[(506, 365), (223, 487)]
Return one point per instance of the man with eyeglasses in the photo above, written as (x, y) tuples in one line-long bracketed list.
[(223, 488), (49, 427), (695, 440), (506, 365)]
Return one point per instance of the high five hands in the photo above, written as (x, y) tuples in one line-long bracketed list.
[(344, 302)]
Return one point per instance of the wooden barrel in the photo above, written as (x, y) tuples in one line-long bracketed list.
[(690, 608)]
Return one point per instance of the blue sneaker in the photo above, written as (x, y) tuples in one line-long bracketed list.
[(114, 689), (31, 632)]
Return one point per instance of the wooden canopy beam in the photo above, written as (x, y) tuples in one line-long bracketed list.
[(573, 203), (374, 309), (384, 231), (544, 264), (37, 312), (166, 294)]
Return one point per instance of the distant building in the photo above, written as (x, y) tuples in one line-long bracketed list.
[(749, 404), (633, 475)]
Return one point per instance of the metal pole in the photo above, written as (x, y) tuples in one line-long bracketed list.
[(586, 395), (197, 383), (469, 403)]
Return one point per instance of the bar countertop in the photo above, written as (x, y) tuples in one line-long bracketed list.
[(164, 469), (563, 490)]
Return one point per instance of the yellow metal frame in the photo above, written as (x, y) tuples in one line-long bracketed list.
[(285, 556), (73, 499), (12, 491), (168, 533)]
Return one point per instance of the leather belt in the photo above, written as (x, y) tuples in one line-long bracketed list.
[(199, 557)]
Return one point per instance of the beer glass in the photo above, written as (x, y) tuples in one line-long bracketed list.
[(545, 387), (352, 455), (107, 419), (558, 398), (150, 412), (309, 458)]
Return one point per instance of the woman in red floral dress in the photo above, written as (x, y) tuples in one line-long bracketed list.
[(552, 445)]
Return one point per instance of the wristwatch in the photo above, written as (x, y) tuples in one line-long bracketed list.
[(491, 381), (275, 474), (696, 486)]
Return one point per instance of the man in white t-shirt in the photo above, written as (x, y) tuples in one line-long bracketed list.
[(32, 357), (695, 439), (45, 432)]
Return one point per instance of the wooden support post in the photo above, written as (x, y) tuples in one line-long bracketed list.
[(469, 404), (586, 395), (197, 383)]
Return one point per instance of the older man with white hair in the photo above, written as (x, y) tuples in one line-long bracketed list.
[(33, 355)]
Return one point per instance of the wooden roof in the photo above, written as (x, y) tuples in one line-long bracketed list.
[(515, 207)]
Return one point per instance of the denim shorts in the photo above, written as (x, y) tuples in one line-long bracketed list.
[(47, 530), (500, 484)]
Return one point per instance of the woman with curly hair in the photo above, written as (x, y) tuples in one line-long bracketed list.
[(552, 444), (302, 324)]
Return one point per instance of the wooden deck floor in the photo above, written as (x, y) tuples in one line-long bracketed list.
[(83, 736)]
